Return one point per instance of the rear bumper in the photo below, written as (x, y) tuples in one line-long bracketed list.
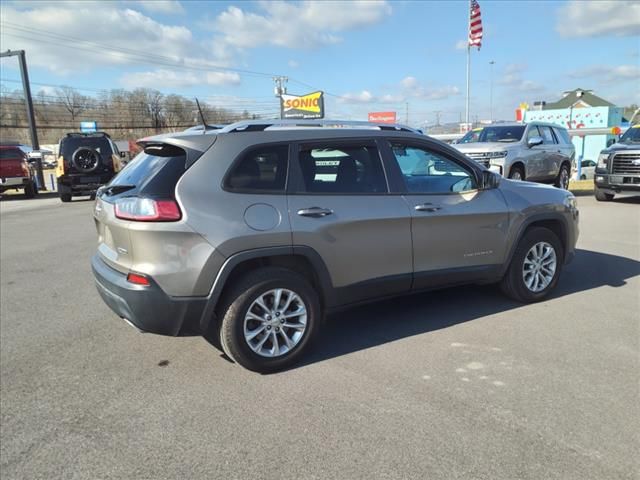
[(81, 183), (147, 308), (13, 182)]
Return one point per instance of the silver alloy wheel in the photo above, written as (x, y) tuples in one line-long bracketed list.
[(275, 322), (516, 175), (539, 266), (564, 178)]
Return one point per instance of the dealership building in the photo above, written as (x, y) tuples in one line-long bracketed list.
[(578, 109)]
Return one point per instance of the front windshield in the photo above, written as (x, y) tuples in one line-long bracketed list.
[(632, 135), (506, 134), (471, 136)]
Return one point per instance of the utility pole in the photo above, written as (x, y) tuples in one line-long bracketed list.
[(438, 112), (280, 89), (31, 118), (492, 63)]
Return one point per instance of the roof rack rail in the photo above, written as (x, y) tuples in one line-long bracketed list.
[(262, 125)]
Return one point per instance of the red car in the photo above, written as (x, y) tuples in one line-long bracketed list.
[(15, 171)]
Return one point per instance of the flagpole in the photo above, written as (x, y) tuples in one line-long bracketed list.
[(466, 118)]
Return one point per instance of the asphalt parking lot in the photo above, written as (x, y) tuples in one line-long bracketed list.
[(460, 383)]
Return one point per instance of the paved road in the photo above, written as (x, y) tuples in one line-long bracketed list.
[(454, 384)]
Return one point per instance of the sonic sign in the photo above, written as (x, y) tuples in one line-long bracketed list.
[(309, 106)]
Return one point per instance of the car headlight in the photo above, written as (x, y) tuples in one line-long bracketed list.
[(497, 157), (570, 202), (603, 160)]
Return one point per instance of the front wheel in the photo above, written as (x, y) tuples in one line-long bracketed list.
[(516, 173), (535, 267), (268, 319), (602, 196)]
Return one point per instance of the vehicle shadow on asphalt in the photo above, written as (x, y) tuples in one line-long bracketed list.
[(375, 324)]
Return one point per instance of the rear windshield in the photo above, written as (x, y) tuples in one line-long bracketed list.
[(11, 153), (501, 134), (101, 144), (154, 172)]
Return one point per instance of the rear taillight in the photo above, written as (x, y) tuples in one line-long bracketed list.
[(138, 279), (147, 210), (25, 169)]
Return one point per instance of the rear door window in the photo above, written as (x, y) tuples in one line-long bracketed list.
[(562, 135), (342, 169)]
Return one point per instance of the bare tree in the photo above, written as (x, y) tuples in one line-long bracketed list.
[(72, 101)]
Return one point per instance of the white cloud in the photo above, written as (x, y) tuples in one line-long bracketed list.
[(293, 64), (512, 77), (579, 18), (177, 79), (462, 44), (306, 24), (362, 97), (412, 88), (118, 36), (608, 74), (160, 6)]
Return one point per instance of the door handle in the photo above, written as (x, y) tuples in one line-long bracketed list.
[(427, 207), (314, 212)]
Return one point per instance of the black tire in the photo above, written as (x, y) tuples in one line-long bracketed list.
[(238, 300), (85, 159), (515, 171), (513, 284), (603, 196), (564, 175), (65, 197), (30, 190)]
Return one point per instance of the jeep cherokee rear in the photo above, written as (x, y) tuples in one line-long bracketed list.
[(86, 161), (255, 231)]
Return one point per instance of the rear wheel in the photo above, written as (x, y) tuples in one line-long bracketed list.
[(30, 190), (516, 173), (65, 197), (602, 196), (268, 319), (562, 180), (535, 267)]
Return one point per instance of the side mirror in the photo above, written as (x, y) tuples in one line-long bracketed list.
[(534, 141), (611, 141), (490, 180)]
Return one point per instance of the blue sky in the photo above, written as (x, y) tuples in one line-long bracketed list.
[(367, 56)]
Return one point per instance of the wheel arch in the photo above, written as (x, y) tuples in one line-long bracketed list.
[(521, 165), (300, 259), (554, 222)]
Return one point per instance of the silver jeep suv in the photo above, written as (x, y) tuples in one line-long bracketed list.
[(253, 232), (538, 152)]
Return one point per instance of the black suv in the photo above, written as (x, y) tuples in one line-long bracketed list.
[(86, 162)]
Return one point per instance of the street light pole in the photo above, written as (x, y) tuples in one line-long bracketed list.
[(492, 62)]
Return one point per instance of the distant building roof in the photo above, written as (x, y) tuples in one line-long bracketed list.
[(578, 98)]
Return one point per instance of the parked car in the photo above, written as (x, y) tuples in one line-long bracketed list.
[(15, 171), (618, 168), (587, 169), (86, 161), (538, 152), (253, 232)]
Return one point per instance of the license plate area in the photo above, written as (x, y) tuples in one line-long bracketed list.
[(89, 179)]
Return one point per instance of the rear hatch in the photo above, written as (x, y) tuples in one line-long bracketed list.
[(12, 163), (142, 193)]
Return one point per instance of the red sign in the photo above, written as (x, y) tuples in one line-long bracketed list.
[(382, 117)]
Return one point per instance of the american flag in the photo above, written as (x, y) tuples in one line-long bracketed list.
[(475, 25)]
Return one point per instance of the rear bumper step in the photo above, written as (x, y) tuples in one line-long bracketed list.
[(147, 308)]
